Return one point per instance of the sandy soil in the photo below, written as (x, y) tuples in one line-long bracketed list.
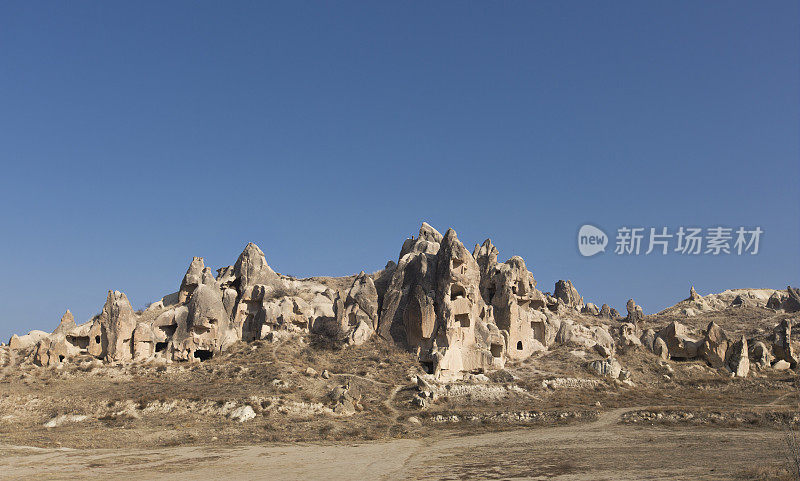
[(601, 450)]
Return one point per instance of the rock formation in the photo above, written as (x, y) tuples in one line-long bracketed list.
[(460, 313)]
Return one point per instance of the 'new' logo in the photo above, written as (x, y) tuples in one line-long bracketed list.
[(591, 240)]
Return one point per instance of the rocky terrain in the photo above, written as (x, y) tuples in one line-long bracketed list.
[(441, 342)]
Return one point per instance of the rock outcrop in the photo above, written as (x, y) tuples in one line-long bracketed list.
[(738, 360), (782, 345), (715, 346), (460, 313), (679, 344), (566, 293)]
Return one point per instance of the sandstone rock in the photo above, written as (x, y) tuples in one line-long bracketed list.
[(27, 341), (251, 269), (566, 292), (242, 414), (143, 341), (661, 349), (635, 313), (606, 367), (66, 325), (792, 303), (679, 344), (414, 421), (739, 301), (738, 361), (715, 345), (602, 350), (206, 329), (511, 291), (229, 300), (65, 418), (112, 332), (573, 334), (648, 338), (760, 355), (775, 301), (693, 295), (192, 279), (357, 316), (781, 365), (605, 311), (627, 335), (52, 352), (590, 309), (781, 343)]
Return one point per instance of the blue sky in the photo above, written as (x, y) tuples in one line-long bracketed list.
[(136, 135)]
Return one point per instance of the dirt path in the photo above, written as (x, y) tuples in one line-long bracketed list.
[(601, 450)]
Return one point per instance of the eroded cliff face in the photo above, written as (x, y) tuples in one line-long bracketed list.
[(458, 312)]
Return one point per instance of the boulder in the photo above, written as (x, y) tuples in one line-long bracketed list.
[(635, 314), (738, 360), (606, 367), (648, 338), (590, 309), (760, 355), (679, 344), (792, 303), (661, 349), (781, 343), (775, 301), (628, 337), (715, 345)]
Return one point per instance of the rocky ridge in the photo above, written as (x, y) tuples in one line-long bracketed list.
[(460, 313)]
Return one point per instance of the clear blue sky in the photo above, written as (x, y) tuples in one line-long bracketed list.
[(136, 135)]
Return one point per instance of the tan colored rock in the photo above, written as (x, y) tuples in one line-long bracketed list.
[(738, 360), (252, 269), (206, 329), (635, 313), (648, 338), (715, 346), (27, 341), (590, 309), (760, 355), (679, 344), (50, 353), (66, 325), (628, 335), (781, 343), (661, 349), (143, 341), (512, 292), (192, 279), (116, 324), (566, 292)]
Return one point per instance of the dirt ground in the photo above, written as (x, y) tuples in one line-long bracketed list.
[(600, 450), (547, 417)]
